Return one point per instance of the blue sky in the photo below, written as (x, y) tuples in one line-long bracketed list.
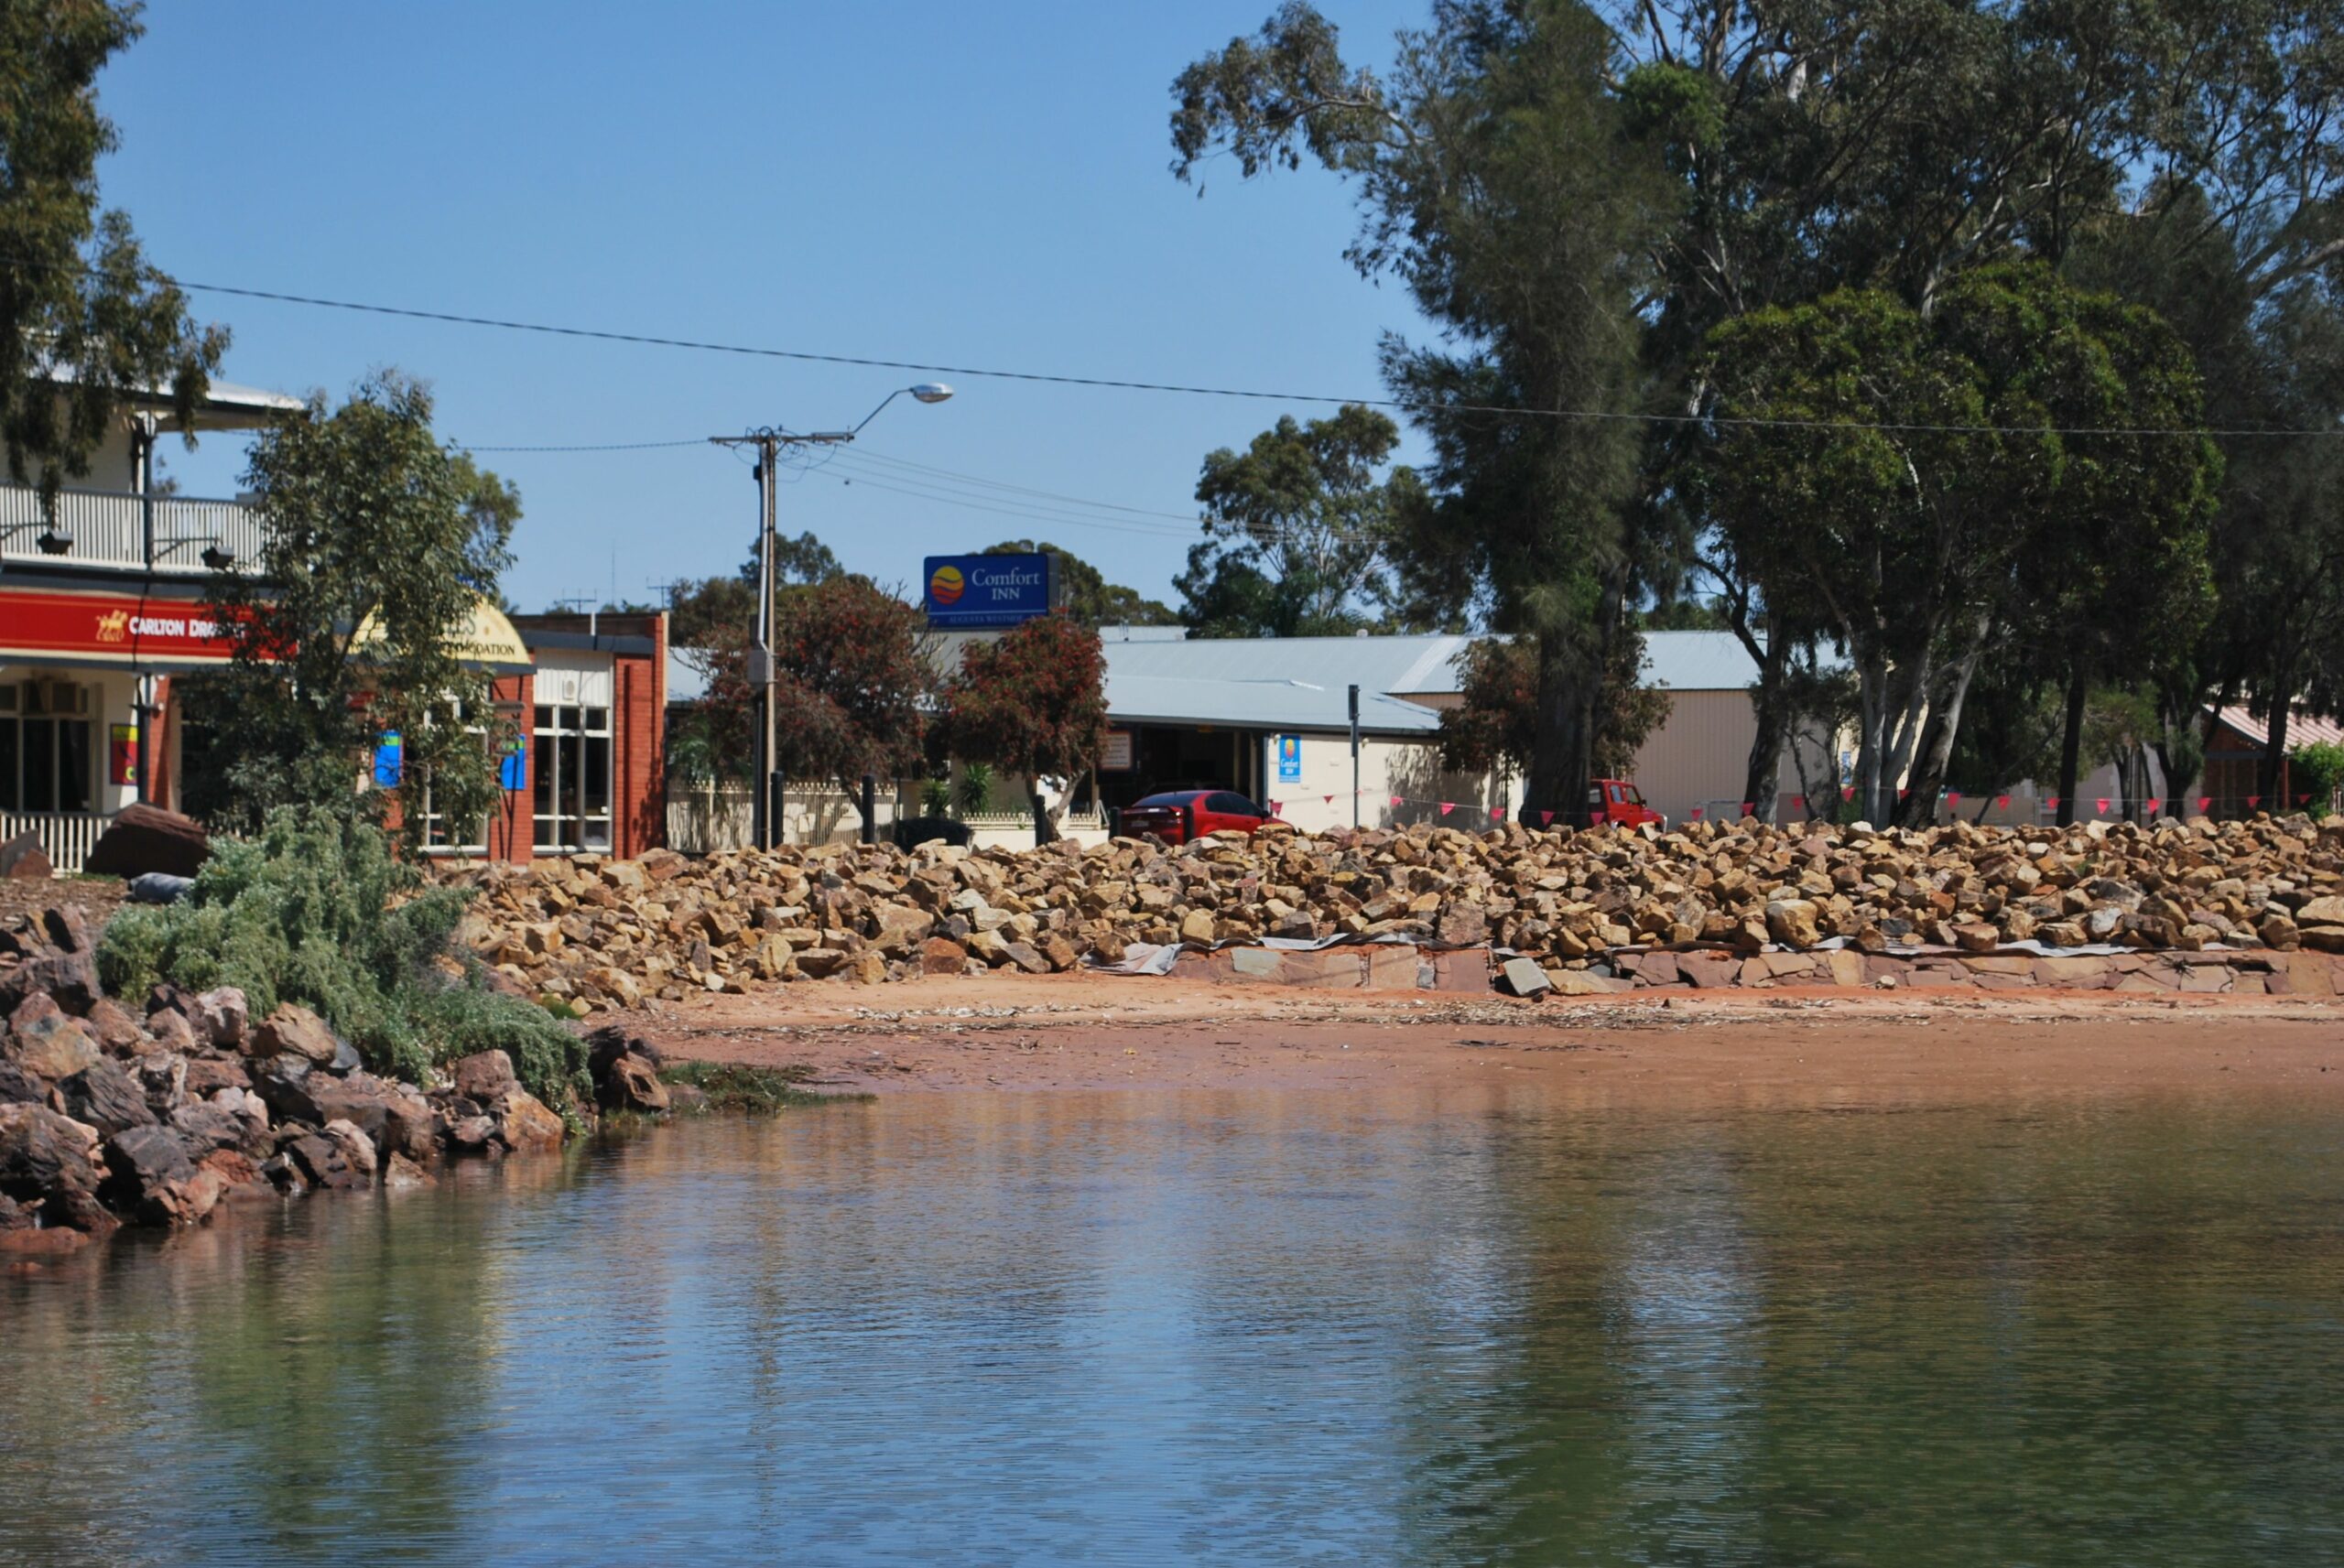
[(967, 185)]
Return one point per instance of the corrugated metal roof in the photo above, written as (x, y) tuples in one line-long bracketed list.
[(1258, 705), (2303, 728)]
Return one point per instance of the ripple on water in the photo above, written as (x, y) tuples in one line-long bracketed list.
[(1229, 1327)]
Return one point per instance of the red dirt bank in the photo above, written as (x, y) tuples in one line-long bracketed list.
[(1793, 1046)]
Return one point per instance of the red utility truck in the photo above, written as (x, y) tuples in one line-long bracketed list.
[(1618, 801)]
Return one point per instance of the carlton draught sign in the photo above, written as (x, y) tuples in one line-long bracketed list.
[(986, 590)]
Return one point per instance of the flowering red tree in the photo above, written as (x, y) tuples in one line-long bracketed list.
[(1491, 726), (852, 680), (1033, 703)]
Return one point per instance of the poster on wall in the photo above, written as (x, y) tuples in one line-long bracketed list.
[(1289, 759), (1117, 757), (122, 754)]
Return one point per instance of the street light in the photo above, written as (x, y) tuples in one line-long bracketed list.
[(765, 811)]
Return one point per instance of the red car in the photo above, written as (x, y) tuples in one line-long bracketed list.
[(1178, 816)]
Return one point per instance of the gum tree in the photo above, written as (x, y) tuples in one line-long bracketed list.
[(1034, 703), (86, 324)]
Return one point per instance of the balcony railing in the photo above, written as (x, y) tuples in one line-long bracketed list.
[(108, 529)]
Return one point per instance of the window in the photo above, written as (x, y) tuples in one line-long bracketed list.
[(441, 832), (573, 784), (48, 748), (1230, 805)]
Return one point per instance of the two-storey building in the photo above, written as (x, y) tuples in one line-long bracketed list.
[(103, 612)]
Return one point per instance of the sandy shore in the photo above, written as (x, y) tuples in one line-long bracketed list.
[(1820, 1047)]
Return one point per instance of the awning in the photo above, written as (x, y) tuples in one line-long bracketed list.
[(487, 641)]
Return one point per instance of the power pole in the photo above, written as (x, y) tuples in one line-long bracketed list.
[(1354, 756), (766, 809)]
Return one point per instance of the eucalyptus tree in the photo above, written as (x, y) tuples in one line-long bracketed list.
[(1925, 485), (86, 323), (1501, 180), (1297, 528)]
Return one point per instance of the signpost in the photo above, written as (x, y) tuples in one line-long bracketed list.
[(974, 591)]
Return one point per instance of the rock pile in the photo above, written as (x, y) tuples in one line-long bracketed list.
[(610, 933), (157, 1113)]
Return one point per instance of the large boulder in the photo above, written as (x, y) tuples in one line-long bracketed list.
[(630, 1082), (23, 860), (46, 1042), (482, 1075), (143, 838), (150, 1178), (293, 1029), (103, 1095), (524, 1122), (51, 1160)]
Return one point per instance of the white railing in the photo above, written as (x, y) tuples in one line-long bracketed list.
[(66, 836), (108, 528)]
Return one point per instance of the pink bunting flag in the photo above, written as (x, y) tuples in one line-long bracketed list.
[(1398, 802), (1546, 819), (2102, 802), (1903, 793), (1952, 799), (1848, 792), (2003, 801), (2052, 801), (2204, 802), (1446, 806), (1748, 808), (1497, 814), (1331, 800), (1277, 807), (2252, 801), (2302, 798), (2152, 803), (1697, 814)]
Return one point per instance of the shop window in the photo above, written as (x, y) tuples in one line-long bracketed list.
[(572, 764), (48, 748), (441, 832)]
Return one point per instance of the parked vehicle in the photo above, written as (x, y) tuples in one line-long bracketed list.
[(1180, 816), (1619, 801)]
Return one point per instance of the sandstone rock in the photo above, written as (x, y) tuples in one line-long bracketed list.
[(942, 955), (324, 1162), (354, 1147), (50, 1162), (293, 1029), (148, 839), (23, 860), (630, 1082), (1792, 922), (117, 1033), (220, 1017), (483, 1076), (48, 1043), (150, 1178), (1523, 977), (206, 1075), (2328, 911), (523, 1123), (1197, 927), (104, 1096)]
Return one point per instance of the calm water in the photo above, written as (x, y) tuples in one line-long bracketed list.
[(1228, 1328)]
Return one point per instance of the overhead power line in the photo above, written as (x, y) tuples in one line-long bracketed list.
[(1184, 389)]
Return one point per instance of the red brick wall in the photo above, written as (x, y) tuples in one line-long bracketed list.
[(638, 747)]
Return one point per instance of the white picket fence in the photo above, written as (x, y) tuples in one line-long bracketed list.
[(66, 836)]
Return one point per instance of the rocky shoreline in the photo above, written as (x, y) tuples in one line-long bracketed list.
[(1598, 909), (158, 1112)]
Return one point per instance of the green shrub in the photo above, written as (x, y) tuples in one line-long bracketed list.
[(2317, 771), (316, 911)]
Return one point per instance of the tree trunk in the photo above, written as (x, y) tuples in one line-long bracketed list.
[(2267, 782), (1561, 741), (1762, 781), (1045, 821), (2071, 745), (1935, 751)]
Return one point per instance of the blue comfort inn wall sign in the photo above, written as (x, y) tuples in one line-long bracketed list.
[(986, 590)]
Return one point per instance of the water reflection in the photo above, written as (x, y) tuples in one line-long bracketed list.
[(1234, 1328)]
